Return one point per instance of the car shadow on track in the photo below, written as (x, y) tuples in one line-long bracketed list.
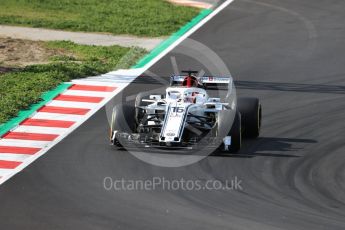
[(259, 147), (270, 147)]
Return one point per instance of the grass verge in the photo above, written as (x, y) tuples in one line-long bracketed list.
[(136, 17), (22, 88)]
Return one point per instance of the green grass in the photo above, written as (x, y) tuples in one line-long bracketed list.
[(18, 90), (135, 17)]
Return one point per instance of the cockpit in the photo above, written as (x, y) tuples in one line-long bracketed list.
[(186, 95)]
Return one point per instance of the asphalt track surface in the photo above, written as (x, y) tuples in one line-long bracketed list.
[(291, 54)]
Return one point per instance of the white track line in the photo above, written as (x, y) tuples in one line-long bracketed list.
[(72, 104), (43, 130), (86, 93), (24, 143), (13, 157), (5, 172), (100, 83), (57, 116)]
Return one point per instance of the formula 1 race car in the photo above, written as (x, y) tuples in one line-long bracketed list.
[(185, 116)]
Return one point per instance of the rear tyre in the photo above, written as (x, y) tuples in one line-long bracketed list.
[(122, 120), (251, 113)]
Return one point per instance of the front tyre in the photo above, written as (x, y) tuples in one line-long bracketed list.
[(236, 134), (139, 112), (122, 120), (229, 124)]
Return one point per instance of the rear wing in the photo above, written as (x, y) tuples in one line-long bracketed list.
[(205, 80), (215, 80), (176, 80)]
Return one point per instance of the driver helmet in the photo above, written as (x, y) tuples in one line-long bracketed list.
[(190, 81)]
